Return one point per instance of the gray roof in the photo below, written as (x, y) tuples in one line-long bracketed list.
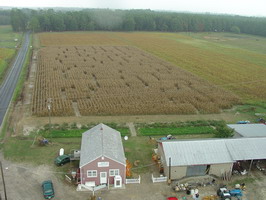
[(249, 130), (213, 151), (196, 152), (101, 140), (247, 148)]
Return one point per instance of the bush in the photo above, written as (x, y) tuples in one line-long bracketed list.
[(235, 29), (223, 132), (74, 125), (64, 126)]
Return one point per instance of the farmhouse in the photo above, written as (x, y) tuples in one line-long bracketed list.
[(213, 156), (102, 159), (248, 130)]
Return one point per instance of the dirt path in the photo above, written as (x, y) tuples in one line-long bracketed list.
[(40, 121), (132, 129)]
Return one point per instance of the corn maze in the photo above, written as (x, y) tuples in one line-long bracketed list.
[(119, 80)]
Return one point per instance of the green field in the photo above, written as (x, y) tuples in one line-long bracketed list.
[(176, 131), (5, 58), (7, 37), (74, 133), (7, 47)]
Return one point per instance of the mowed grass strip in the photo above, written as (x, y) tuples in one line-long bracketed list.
[(154, 131), (234, 68)]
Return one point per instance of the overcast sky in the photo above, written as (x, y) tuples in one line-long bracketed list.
[(239, 7)]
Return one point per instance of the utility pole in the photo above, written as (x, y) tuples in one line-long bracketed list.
[(169, 177), (49, 110), (3, 180)]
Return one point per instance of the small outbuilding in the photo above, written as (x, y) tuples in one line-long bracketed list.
[(102, 157)]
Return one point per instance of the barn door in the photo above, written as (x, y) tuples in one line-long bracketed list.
[(197, 170), (103, 177)]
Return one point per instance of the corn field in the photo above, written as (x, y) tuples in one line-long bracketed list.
[(119, 80)]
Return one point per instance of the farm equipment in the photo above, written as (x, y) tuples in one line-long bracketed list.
[(236, 193), (223, 193), (226, 194), (42, 141)]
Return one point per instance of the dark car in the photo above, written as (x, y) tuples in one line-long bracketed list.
[(48, 189), (61, 160)]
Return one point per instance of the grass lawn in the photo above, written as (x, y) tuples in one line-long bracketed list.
[(139, 148), (251, 110), (21, 149)]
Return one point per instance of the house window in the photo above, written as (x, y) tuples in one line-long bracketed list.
[(113, 172), (92, 173)]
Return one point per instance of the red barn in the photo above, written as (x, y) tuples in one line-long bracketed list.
[(102, 157)]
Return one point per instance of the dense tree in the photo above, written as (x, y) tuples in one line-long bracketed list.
[(131, 20), (5, 17), (19, 20), (129, 24)]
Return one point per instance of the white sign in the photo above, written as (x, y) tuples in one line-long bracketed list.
[(103, 164)]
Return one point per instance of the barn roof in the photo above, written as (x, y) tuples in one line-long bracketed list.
[(213, 151), (247, 148), (249, 130), (101, 140), (196, 152)]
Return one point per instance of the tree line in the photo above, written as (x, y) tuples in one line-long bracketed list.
[(132, 20), (4, 17)]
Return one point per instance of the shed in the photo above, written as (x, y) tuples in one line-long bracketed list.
[(102, 157), (210, 156), (195, 157), (249, 130)]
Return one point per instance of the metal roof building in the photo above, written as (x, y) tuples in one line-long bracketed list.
[(249, 130), (210, 156), (213, 151), (247, 148), (196, 152)]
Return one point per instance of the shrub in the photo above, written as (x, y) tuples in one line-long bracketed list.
[(235, 29), (223, 132)]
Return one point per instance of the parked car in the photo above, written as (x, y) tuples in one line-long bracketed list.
[(172, 198), (48, 189), (61, 160)]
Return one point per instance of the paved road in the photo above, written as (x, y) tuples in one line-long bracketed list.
[(8, 86)]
